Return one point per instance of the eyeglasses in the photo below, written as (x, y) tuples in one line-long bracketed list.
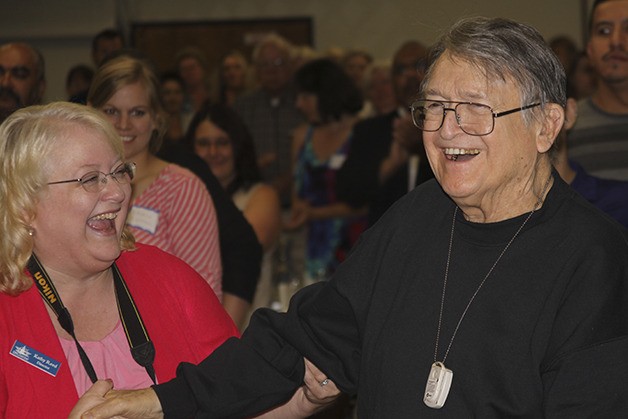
[(95, 181), (472, 118)]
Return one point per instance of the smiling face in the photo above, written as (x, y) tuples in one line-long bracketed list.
[(78, 232), (130, 113), (479, 171), (213, 145)]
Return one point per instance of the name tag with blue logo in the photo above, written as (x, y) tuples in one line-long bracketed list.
[(35, 358)]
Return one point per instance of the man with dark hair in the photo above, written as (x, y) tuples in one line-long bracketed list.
[(104, 43), (22, 77), (599, 139)]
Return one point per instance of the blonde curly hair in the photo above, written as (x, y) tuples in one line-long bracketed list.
[(26, 139)]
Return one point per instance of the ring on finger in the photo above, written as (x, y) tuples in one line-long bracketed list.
[(324, 382)]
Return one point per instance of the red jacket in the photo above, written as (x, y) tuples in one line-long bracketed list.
[(183, 317)]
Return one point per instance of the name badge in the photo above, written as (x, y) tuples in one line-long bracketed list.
[(35, 358), (143, 218), (336, 161)]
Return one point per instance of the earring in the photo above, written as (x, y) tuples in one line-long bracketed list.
[(31, 231)]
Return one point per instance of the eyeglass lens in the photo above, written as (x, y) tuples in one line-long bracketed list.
[(96, 181), (474, 119)]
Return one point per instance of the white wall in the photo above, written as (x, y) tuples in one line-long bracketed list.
[(62, 29)]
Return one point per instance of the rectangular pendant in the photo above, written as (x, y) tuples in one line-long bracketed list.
[(438, 385)]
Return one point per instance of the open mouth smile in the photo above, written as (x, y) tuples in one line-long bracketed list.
[(453, 154)]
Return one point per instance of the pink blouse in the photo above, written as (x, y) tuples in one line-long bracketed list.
[(111, 358)]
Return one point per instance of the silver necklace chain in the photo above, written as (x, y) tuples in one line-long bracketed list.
[(477, 290)]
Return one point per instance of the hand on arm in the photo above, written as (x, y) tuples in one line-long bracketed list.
[(317, 393), (130, 404), (92, 397)]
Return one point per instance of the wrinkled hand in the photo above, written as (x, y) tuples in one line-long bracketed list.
[(318, 389), (92, 397), (131, 404)]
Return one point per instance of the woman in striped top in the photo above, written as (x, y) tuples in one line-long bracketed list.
[(171, 208)]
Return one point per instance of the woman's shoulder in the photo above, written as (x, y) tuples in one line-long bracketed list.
[(174, 172), (175, 179), (262, 189), (258, 192), (147, 254), (148, 263), (265, 193)]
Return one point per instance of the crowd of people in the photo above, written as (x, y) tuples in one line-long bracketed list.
[(146, 219)]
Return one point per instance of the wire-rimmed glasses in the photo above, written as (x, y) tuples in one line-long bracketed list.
[(472, 118), (95, 181)]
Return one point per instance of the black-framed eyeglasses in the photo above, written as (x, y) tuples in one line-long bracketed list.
[(95, 181), (472, 118)]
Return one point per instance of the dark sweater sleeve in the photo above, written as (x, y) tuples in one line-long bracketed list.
[(325, 322), (263, 369)]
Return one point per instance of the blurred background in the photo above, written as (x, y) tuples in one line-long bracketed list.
[(63, 29)]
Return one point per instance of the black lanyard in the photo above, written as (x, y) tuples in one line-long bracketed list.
[(142, 349)]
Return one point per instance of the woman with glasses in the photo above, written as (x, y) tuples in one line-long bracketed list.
[(79, 299), (171, 207), (492, 291), (67, 261)]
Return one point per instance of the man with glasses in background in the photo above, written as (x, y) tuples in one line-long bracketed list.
[(22, 77), (387, 158), (270, 114)]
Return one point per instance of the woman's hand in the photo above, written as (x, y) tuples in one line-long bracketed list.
[(130, 404), (318, 389), (317, 393), (92, 397)]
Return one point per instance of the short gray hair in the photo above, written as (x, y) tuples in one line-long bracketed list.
[(504, 48)]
